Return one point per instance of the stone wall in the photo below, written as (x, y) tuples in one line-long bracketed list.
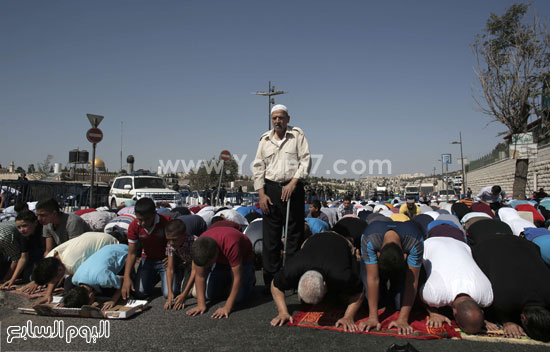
[(502, 173)]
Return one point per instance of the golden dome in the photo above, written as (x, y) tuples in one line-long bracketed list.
[(98, 163)]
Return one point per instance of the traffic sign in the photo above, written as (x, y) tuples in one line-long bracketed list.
[(94, 135), (446, 159), (225, 155), (95, 120)]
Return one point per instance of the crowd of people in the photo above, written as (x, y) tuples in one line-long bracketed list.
[(478, 262)]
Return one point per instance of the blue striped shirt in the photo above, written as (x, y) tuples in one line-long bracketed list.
[(409, 233)]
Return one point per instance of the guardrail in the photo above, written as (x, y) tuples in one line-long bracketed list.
[(67, 194)]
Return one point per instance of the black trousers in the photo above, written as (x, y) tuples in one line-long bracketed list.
[(274, 222)]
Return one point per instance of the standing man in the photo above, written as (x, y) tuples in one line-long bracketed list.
[(346, 208), (281, 162)]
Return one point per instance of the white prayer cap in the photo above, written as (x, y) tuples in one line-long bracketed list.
[(279, 107)]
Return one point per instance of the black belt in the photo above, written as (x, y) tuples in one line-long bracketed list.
[(274, 183)]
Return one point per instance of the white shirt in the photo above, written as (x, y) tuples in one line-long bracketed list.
[(512, 218), (332, 214), (451, 270), (487, 196), (518, 225), (281, 162), (75, 251), (233, 215), (207, 213)]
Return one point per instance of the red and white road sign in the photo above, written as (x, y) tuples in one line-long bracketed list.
[(94, 135), (225, 155)]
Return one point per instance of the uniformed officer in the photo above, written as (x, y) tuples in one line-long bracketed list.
[(281, 162)]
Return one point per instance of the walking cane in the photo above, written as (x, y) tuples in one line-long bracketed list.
[(286, 230)]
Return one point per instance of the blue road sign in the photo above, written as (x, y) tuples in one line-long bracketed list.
[(446, 158)]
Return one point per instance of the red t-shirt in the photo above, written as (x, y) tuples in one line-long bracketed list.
[(153, 244), (235, 247), (84, 211)]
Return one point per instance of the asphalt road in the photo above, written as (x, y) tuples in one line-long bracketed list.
[(246, 329)]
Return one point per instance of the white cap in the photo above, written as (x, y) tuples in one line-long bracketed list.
[(279, 107)]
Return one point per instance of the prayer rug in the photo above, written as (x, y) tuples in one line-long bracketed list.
[(325, 317), (498, 336)]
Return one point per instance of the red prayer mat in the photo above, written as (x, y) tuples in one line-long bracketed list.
[(324, 317)]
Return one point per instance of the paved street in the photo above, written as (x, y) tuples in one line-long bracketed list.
[(247, 329)]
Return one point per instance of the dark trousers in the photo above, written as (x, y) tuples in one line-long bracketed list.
[(274, 222), (390, 292)]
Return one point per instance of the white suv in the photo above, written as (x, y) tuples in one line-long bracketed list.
[(136, 187), (441, 195)]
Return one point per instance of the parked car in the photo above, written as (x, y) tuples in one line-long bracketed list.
[(138, 186), (441, 196)]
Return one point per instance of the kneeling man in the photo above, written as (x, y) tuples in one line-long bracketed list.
[(223, 268), (326, 263), (455, 280)]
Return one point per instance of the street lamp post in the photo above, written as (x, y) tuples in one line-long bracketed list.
[(270, 92), (461, 163)]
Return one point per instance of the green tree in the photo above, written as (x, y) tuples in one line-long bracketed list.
[(31, 169), (19, 170), (513, 64), (208, 175)]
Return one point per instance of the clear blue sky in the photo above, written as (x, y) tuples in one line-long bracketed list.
[(366, 80)]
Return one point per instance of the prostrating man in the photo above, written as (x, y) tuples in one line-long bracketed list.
[(223, 268), (58, 227), (100, 274), (315, 211), (10, 253), (282, 161), (519, 278), (383, 248), (65, 259), (455, 280), (326, 264)]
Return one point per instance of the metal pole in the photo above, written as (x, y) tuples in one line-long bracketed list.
[(446, 183), (286, 230), (93, 175), (463, 167), (219, 185), (442, 169), (269, 107), (121, 122)]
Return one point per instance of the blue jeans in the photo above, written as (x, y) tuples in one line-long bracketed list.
[(148, 275), (220, 280)]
